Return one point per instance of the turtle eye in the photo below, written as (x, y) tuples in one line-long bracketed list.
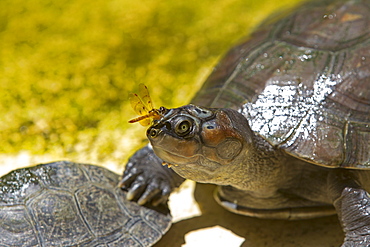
[(183, 128)]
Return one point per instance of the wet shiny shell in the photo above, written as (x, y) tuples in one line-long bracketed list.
[(303, 83), (69, 204)]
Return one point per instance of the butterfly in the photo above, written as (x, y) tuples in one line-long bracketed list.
[(142, 105)]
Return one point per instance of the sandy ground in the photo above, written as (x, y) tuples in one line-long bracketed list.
[(200, 221)]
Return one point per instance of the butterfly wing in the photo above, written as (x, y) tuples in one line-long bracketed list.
[(142, 105), (144, 95), (140, 108), (138, 105), (146, 121)]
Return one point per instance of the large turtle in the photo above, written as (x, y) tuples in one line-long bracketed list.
[(281, 124), (70, 204)]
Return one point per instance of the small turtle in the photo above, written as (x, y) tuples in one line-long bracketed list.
[(281, 125), (70, 204)]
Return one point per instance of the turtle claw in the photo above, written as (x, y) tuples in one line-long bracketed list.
[(161, 200), (135, 190), (126, 180), (149, 193)]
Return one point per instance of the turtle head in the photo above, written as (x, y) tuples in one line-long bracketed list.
[(200, 142)]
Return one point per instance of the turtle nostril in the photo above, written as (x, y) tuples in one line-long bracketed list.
[(168, 125), (157, 128), (152, 132)]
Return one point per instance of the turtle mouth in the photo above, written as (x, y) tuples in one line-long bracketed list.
[(175, 158), (195, 168), (187, 163)]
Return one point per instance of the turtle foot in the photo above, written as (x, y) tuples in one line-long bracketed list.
[(356, 244), (146, 180), (353, 208)]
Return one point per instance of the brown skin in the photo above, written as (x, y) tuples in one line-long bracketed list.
[(217, 146)]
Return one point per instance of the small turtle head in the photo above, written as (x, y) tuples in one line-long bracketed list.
[(203, 139)]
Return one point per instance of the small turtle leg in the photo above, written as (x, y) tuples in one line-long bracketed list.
[(353, 208), (352, 204)]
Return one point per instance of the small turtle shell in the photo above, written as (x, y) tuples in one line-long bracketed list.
[(70, 204)]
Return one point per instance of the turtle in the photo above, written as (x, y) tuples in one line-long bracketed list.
[(281, 125), (72, 204)]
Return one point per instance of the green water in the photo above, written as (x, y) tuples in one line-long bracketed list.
[(66, 67)]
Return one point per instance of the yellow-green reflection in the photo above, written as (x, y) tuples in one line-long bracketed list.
[(66, 67)]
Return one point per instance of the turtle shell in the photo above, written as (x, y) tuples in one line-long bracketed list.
[(303, 83), (69, 204)]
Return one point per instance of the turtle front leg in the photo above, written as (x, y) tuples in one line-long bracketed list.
[(353, 208), (146, 180)]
